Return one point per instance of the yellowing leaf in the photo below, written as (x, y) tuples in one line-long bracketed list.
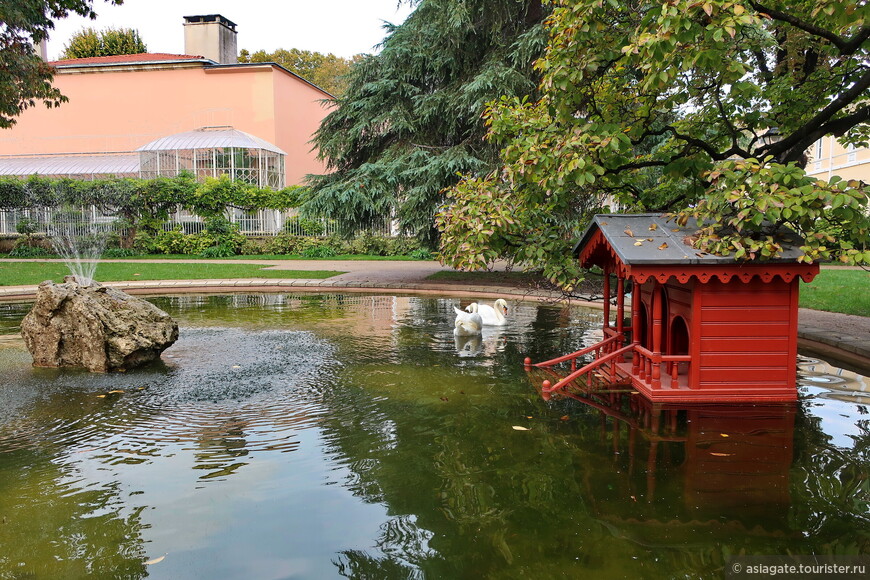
[(721, 454), (653, 227), (629, 233), (724, 434), (638, 243), (115, 391), (101, 396), (664, 246), (518, 428)]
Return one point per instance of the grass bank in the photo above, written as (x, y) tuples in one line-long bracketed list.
[(25, 273), (838, 290)]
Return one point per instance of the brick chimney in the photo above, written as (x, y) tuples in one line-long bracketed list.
[(212, 36)]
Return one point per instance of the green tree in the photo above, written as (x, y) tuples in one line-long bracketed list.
[(651, 106), (24, 77), (89, 42), (410, 120), (327, 71)]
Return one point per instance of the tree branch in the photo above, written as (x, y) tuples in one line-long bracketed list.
[(845, 46), (797, 140)]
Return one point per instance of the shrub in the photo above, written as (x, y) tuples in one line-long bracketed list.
[(23, 249), (26, 226), (253, 247), (319, 251), (421, 254), (119, 253), (218, 251)]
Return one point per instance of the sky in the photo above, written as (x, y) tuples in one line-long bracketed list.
[(341, 27)]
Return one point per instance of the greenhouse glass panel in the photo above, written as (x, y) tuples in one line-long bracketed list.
[(148, 164), (168, 166)]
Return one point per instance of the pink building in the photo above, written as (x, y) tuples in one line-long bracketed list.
[(257, 117)]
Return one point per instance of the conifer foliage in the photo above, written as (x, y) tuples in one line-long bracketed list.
[(410, 121)]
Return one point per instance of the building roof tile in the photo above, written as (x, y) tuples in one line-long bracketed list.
[(126, 59)]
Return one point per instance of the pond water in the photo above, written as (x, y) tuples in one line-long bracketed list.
[(329, 435)]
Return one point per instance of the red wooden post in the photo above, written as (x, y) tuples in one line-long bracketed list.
[(606, 297), (656, 337), (620, 304), (620, 314), (635, 327)]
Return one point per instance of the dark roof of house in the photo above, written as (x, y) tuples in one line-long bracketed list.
[(656, 239)]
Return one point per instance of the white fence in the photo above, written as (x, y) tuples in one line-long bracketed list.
[(264, 222)]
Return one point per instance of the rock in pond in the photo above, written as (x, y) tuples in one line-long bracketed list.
[(92, 326)]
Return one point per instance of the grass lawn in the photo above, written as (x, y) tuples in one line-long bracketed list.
[(20, 273), (835, 290)]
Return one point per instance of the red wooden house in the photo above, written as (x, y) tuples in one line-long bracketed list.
[(701, 328)]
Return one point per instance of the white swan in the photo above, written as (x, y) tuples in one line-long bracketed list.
[(492, 315), (467, 323)]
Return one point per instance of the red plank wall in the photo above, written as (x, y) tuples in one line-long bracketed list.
[(746, 334)]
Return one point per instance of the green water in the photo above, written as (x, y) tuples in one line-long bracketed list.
[(324, 436)]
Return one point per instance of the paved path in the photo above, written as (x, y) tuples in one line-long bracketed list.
[(843, 337)]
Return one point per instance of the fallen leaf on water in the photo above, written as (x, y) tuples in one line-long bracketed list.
[(101, 396), (664, 246), (529, 417), (653, 227), (721, 454), (629, 233), (724, 434), (518, 428), (115, 391), (155, 561), (236, 366), (564, 418), (633, 498)]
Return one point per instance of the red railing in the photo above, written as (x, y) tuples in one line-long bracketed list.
[(589, 368), (606, 346), (647, 366)]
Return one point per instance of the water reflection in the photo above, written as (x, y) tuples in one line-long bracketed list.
[(729, 466), (320, 435)]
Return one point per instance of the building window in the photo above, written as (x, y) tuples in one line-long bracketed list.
[(818, 154), (852, 155)]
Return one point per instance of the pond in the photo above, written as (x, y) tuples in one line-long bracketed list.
[(330, 435)]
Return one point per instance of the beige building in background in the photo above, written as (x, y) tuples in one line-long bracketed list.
[(828, 158)]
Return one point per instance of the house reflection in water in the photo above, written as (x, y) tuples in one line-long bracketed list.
[(678, 471)]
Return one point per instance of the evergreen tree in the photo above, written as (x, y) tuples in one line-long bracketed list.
[(411, 120)]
